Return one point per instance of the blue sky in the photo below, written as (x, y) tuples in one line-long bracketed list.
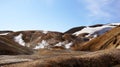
[(56, 15)]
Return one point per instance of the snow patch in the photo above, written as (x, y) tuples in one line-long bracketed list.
[(43, 44), (60, 44), (3, 33), (45, 32), (114, 24), (67, 46), (91, 30), (19, 39)]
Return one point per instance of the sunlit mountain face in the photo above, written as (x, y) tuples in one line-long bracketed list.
[(84, 43), (39, 39)]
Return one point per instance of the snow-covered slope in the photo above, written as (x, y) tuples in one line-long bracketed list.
[(109, 40), (38, 39), (96, 31), (19, 39)]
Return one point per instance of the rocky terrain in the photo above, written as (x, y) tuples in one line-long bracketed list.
[(84, 46)]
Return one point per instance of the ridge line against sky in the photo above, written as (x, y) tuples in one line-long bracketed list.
[(56, 15)]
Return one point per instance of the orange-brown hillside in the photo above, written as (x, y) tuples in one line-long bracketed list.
[(109, 40), (9, 47), (103, 58), (96, 45)]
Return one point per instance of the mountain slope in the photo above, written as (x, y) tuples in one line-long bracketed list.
[(9, 47), (38, 39), (94, 30), (109, 40), (97, 45)]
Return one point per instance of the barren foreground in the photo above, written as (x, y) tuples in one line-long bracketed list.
[(58, 58)]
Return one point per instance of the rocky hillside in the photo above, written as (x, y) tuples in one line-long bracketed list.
[(84, 46), (9, 47), (38, 39), (109, 40)]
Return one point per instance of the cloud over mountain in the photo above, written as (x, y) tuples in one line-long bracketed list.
[(102, 9)]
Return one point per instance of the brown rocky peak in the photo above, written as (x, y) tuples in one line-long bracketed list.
[(109, 40)]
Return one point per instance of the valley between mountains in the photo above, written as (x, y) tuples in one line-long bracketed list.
[(84, 46)]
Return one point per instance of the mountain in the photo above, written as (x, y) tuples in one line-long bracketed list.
[(38, 39), (9, 47), (92, 31), (84, 46), (109, 40)]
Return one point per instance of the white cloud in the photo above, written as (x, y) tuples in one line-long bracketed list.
[(97, 9)]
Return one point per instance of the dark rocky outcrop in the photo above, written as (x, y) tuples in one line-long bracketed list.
[(97, 25), (75, 29)]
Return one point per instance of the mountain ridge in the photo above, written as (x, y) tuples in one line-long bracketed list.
[(92, 46), (39, 39)]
